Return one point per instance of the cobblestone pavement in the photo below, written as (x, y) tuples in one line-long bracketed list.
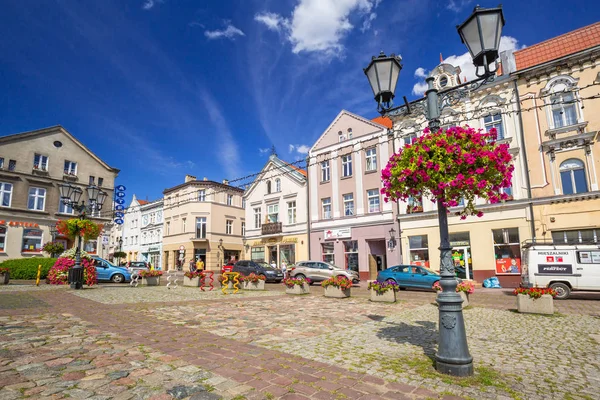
[(139, 343)]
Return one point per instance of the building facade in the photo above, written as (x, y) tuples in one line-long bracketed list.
[(276, 210), (557, 80), (349, 223), (151, 233), (32, 165), (202, 220), (490, 245), (132, 230)]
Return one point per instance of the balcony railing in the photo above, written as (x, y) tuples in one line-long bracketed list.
[(271, 228)]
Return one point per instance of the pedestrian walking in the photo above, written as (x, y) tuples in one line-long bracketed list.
[(284, 268), (192, 265), (200, 265)]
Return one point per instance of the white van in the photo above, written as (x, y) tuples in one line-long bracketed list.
[(564, 268)]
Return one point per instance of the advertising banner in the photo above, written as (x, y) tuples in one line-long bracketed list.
[(508, 266)]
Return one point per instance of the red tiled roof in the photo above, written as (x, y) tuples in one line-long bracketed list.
[(385, 121), (560, 46), (142, 202), (303, 172)]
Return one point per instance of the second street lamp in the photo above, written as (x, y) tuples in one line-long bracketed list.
[(481, 33), (70, 195)]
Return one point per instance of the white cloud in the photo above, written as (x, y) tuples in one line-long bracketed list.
[(148, 4), (465, 62), (264, 151), (299, 148), (457, 5), (320, 25), (421, 73), (230, 32)]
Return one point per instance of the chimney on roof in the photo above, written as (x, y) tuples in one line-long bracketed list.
[(189, 178), (205, 179), (225, 182), (507, 62)]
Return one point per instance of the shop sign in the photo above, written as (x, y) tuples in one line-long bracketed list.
[(338, 233), (508, 266), (153, 248), (274, 241), (20, 223), (459, 243)]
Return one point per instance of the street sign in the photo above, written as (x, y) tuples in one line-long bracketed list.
[(119, 208), (120, 188), (119, 221), (120, 194), (120, 201), (119, 215)]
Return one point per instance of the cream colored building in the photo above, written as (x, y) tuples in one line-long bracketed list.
[(202, 220), (276, 210), (561, 124), (32, 165)]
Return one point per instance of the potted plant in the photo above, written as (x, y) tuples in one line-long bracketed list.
[(151, 277), (535, 300), (193, 278), (4, 276), (383, 291), (337, 287), (464, 289), (53, 248), (297, 285), (253, 282), (59, 272)]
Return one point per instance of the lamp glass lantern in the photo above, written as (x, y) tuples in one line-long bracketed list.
[(66, 191), (102, 195), (481, 33), (383, 72), (92, 192), (392, 233)]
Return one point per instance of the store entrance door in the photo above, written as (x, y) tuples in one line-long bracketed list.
[(272, 255), (462, 262)]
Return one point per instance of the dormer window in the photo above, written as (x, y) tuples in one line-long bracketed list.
[(443, 81), (341, 135)]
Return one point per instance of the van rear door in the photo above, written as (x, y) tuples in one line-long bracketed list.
[(588, 267)]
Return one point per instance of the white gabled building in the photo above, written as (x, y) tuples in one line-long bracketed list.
[(276, 214), (151, 233), (131, 229)]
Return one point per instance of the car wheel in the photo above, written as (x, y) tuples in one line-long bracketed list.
[(299, 276), (562, 291), (117, 278)]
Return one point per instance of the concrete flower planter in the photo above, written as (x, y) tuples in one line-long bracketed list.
[(151, 281), (543, 305), (193, 282), (298, 289), (260, 285), (229, 284), (465, 297), (386, 297), (4, 278), (336, 292)]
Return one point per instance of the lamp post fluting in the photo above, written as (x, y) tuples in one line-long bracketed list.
[(70, 196), (481, 33)]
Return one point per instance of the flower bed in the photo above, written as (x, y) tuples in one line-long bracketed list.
[(58, 274), (383, 291), (535, 300), (151, 277), (297, 285), (252, 282), (193, 278), (337, 287)]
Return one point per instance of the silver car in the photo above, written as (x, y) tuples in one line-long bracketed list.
[(318, 271)]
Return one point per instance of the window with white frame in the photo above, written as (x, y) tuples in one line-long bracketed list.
[(576, 236), (183, 221), (6, 193), (564, 109), (373, 200), (228, 227), (12, 165), (268, 187), (278, 185), (168, 227), (349, 133), (572, 176), (257, 218), (347, 165), (32, 240), (202, 195), (408, 139), (37, 198), (200, 227), (328, 252), (229, 199), (243, 228), (326, 206), (341, 136), (92, 180), (371, 156), (1, 162), (291, 206), (64, 208), (2, 238), (325, 175), (70, 168), (349, 204), (40, 162), (494, 121), (273, 213)]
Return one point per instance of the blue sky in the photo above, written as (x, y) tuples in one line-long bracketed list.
[(161, 88)]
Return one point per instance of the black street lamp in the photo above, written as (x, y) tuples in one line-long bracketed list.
[(120, 249), (70, 195), (481, 33)]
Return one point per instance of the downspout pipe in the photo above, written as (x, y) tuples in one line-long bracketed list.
[(527, 180), (308, 206)]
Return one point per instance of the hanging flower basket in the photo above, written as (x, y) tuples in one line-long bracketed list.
[(74, 227)]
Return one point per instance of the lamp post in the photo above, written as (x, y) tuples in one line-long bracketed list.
[(71, 195), (120, 249), (481, 33)]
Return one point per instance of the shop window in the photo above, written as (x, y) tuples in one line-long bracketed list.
[(572, 176), (419, 250), (287, 253), (507, 250), (328, 253), (32, 240), (5, 194), (91, 246), (2, 238), (258, 254), (576, 236), (351, 254), (325, 171)]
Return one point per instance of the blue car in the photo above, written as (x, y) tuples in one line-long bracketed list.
[(409, 276), (109, 272)]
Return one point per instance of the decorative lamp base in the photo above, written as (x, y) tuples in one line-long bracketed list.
[(75, 277)]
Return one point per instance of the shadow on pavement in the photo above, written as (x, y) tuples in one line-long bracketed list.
[(424, 335)]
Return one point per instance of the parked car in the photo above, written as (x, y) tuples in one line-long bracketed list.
[(109, 272), (246, 267), (137, 266), (318, 271), (409, 276)]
